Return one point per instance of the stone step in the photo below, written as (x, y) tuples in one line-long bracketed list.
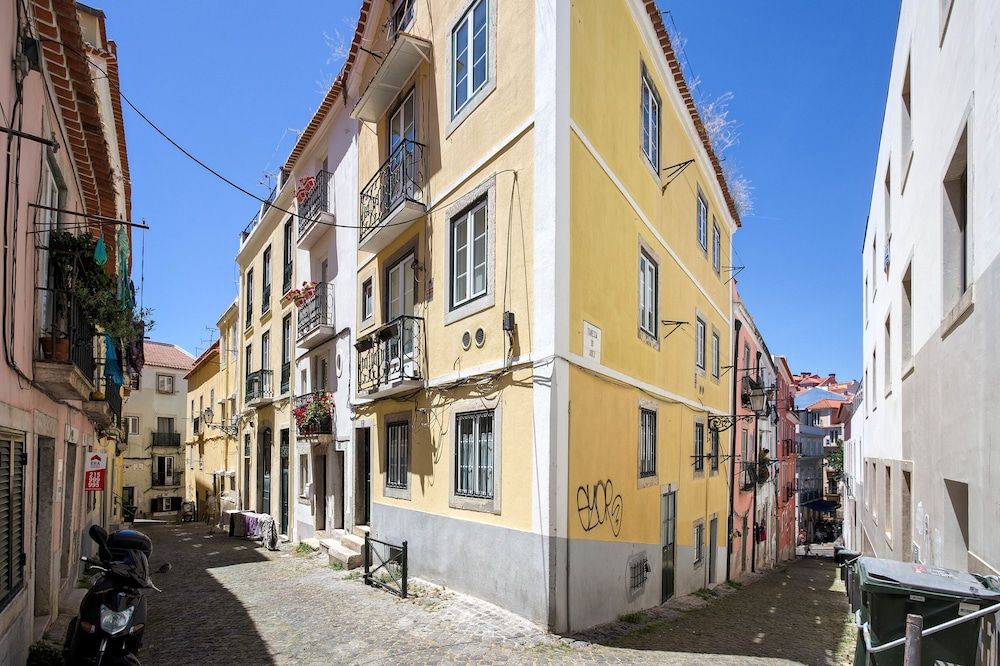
[(348, 559), (361, 530), (352, 542)]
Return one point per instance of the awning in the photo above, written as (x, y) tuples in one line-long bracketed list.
[(822, 505)]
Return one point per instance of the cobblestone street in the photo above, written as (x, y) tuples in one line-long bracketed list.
[(227, 601)]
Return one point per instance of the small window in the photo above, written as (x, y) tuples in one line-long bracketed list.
[(474, 454), (470, 54), (12, 518), (648, 294), (286, 264), (402, 14), (702, 221), (699, 542), (957, 251), (714, 439), (716, 248), (132, 425), (888, 355), (647, 443), (905, 125), (135, 382), (248, 361), (265, 350), (469, 244), (715, 355), (397, 454), (650, 121), (164, 383), (699, 342), (699, 447), (367, 300), (303, 475), (249, 294)]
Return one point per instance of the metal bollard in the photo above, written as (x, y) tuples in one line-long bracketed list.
[(911, 649)]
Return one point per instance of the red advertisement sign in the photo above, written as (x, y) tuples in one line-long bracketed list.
[(94, 481)]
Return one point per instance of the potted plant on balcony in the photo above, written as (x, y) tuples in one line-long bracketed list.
[(315, 413), (303, 295)]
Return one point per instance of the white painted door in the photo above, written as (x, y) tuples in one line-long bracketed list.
[(400, 304)]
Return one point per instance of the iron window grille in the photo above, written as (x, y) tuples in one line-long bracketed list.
[(699, 447), (647, 443), (474, 463), (398, 436), (638, 572), (699, 543)]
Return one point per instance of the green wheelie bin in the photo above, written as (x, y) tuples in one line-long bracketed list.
[(891, 590)]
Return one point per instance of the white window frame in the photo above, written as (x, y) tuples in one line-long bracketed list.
[(647, 442), (467, 21), (304, 475), (702, 221), (160, 383), (649, 120), (699, 447), (466, 220), (649, 294), (367, 299), (129, 420), (716, 247), (716, 344), (472, 459), (699, 342), (699, 542)]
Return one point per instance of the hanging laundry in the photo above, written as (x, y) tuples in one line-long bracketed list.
[(101, 251)]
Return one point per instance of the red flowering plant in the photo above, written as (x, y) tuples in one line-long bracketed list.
[(302, 295), (314, 414)]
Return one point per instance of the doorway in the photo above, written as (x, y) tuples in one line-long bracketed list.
[(319, 473), (668, 515), (264, 476), (713, 545), (363, 477), (69, 549), (744, 535), (44, 483), (245, 494), (283, 457)]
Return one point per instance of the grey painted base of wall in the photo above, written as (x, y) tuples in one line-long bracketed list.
[(511, 568), (503, 566)]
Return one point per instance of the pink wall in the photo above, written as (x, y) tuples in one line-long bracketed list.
[(743, 499)]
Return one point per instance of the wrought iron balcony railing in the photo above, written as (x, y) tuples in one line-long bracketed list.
[(748, 475), (259, 386), (166, 439), (317, 311), (113, 394), (398, 181), (315, 421), (391, 355), (316, 201), (69, 338)]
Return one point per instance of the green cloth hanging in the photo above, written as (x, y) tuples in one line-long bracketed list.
[(101, 251)]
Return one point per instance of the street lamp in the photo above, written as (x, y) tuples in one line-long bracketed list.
[(230, 429), (757, 396)]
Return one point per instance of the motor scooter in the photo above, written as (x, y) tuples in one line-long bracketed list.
[(189, 512), (108, 629)]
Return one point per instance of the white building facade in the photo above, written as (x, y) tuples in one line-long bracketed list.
[(324, 168), (926, 484)]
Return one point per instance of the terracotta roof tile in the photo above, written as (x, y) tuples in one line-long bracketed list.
[(166, 355)]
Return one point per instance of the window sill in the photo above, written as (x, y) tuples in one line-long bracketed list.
[(908, 369), (396, 493), (648, 481), (265, 316), (472, 104), (958, 314), (469, 308), (653, 173), (480, 504), (650, 340), (304, 500), (907, 161)]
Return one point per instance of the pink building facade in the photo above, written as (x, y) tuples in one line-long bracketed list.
[(787, 456), (64, 142)]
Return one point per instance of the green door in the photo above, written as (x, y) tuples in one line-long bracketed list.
[(284, 481), (668, 516)]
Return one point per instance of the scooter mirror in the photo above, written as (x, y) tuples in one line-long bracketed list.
[(164, 568), (99, 535)]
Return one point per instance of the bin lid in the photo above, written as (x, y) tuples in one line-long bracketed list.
[(890, 575)]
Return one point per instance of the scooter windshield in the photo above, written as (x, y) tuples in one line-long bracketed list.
[(132, 570)]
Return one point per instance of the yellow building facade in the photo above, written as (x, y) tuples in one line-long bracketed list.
[(266, 342), (543, 311), (213, 453)]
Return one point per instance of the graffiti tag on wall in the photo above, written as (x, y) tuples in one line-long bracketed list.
[(598, 504)]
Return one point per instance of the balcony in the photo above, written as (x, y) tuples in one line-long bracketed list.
[(393, 197), (316, 323), (255, 220), (65, 365), (313, 413), (167, 480), (394, 73), (171, 439), (105, 406), (316, 206), (389, 360), (259, 388)]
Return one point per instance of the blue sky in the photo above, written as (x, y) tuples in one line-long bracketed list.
[(231, 81)]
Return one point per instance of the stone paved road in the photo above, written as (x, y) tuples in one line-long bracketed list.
[(229, 602)]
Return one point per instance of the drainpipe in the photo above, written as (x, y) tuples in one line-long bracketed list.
[(732, 450)]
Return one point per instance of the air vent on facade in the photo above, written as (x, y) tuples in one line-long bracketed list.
[(480, 337), (466, 341)]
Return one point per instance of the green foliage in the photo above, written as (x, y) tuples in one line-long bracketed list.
[(835, 461), (44, 654), (632, 618), (303, 549), (76, 271)]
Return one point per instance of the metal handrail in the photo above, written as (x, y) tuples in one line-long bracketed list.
[(397, 180), (259, 385), (317, 201), (393, 352), (866, 632)]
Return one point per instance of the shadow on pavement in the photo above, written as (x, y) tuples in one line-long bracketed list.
[(799, 612), (196, 620)]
